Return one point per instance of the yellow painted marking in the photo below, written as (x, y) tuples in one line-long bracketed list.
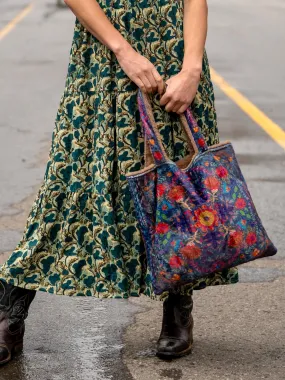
[(11, 25), (274, 131)]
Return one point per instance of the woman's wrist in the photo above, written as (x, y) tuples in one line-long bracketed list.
[(192, 65), (194, 71), (120, 47)]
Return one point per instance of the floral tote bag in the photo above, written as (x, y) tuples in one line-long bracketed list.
[(196, 215)]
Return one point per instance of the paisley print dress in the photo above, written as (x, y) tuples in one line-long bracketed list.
[(82, 236)]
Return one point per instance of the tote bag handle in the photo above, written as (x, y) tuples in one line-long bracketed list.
[(154, 150)]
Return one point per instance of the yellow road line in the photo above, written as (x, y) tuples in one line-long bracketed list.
[(274, 131), (11, 25)]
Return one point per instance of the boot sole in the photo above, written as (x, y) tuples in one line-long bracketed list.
[(169, 355), (15, 350)]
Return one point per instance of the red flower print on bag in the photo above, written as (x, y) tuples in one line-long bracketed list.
[(160, 189), (191, 251), (240, 203), (175, 261), (221, 172), (235, 238), (162, 228), (201, 142), (157, 155), (251, 238), (177, 193), (212, 183)]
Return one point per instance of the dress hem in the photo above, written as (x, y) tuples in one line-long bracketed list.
[(105, 295)]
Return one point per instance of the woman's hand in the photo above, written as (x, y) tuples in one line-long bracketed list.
[(140, 70), (181, 90)]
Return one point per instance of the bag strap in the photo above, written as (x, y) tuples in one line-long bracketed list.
[(154, 150)]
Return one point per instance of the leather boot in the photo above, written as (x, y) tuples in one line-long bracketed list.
[(176, 337), (14, 305)]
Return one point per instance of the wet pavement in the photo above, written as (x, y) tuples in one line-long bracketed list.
[(73, 338), (239, 329)]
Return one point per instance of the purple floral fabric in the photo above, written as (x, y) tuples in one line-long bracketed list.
[(195, 220)]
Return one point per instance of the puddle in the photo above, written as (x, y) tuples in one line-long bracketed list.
[(73, 338)]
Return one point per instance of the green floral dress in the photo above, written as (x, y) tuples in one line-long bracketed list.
[(81, 236)]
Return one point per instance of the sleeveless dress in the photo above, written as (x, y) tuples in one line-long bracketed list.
[(81, 236)]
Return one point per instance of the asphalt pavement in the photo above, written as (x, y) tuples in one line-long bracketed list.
[(239, 329)]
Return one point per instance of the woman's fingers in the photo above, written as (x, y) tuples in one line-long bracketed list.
[(181, 109), (149, 83), (180, 92), (159, 80), (175, 107), (172, 106), (141, 71), (140, 84), (153, 80), (169, 101)]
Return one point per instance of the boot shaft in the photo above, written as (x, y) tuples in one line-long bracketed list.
[(177, 309), (176, 337), (14, 304)]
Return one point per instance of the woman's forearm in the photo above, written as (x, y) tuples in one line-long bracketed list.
[(137, 67), (93, 18), (195, 33)]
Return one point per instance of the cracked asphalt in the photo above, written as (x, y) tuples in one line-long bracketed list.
[(239, 329)]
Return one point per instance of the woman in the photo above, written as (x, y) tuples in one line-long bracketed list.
[(81, 237)]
